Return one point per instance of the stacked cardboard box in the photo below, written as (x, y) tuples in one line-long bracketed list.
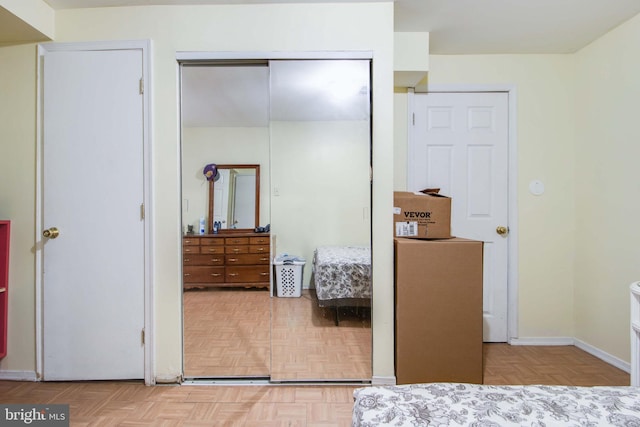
[(438, 294)]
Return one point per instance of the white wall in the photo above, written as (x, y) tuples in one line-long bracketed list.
[(607, 187), (248, 28)]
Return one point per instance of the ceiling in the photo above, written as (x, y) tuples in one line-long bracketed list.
[(471, 26)]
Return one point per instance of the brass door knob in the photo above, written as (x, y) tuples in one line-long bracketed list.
[(502, 230), (51, 233)]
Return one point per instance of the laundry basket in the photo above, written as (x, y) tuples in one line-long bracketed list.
[(289, 273)]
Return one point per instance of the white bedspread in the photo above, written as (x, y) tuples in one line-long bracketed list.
[(451, 404)]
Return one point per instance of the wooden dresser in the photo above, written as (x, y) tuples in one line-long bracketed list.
[(226, 260)]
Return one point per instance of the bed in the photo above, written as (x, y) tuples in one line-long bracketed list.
[(457, 404), (342, 276)]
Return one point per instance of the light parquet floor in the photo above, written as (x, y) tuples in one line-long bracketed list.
[(226, 332), (108, 403), (244, 332)]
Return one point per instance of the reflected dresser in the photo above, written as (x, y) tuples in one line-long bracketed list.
[(226, 260)]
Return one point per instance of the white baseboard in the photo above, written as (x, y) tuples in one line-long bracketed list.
[(377, 380), (6, 375), (610, 359), (594, 351), (542, 341)]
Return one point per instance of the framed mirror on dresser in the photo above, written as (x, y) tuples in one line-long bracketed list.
[(232, 253)]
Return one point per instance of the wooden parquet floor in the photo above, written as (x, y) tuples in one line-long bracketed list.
[(245, 333), (226, 332), (111, 403)]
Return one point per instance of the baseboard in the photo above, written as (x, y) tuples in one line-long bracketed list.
[(377, 380), (594, 351), (542, 341), (6, 375), (610, 359)]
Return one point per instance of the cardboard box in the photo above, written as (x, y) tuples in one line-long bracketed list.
[(438, 310), (420, 215)]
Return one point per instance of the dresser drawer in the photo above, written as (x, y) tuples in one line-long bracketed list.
[(203, 259), (203, 274), (247, 274), (259, 240), (191, 249), (212, 249), (236, 241), (211, 241), (190, 241), (259, 249), (236, 249), (247, 259)]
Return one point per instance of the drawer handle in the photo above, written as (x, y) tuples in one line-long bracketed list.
[(264, 259), (260, 249), (233, 259), (187, 260), (264, 274), (236, 250), (233, 274), (215, 274), (215, 259), (187, 274)]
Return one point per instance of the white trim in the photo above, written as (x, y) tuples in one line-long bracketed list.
[(18, 376), (211, 56), (559, 341), (145, 47), (379, 380), (543, 341), (512, 279), (602, 355)]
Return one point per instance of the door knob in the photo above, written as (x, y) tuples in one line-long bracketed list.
[(502, 230), (51, 233)]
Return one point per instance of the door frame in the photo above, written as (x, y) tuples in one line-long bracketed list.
[(512, 181), (204, 56), (149, 334)]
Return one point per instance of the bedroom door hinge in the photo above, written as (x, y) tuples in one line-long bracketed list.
[(142, 336), (141, 86), (142, 211), (413, 118)]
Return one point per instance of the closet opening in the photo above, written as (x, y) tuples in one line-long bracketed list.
[(275, 164)]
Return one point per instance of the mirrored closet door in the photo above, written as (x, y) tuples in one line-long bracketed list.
[(320, 208), (299, 133)]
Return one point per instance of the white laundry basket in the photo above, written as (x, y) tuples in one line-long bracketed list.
[(289, 273)]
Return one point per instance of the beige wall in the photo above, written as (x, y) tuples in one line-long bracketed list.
[(576, 131), (17, 199), (250, 28), (607, 188), (224, 146), (545, 147), (321, 172)]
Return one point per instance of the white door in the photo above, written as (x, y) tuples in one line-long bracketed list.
[(460, 145), (92, 192)]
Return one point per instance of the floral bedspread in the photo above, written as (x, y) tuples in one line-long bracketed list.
[(451, 404), (342, 272)]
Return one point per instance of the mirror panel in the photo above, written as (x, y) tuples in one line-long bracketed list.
[(226, 276), (234, 198), (320, 162)]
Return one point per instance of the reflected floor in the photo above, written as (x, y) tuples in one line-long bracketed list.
[(307, 344), (227, 334)]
